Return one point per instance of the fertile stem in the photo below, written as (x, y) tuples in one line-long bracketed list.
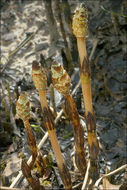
[(23, 111), (81, 49), (78, 134), (62, 83), (80, 25), (39, 78)]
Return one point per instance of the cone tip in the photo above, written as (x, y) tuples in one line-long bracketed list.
[(35, 65)]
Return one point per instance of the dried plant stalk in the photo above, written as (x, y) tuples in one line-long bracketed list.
[(67, 14), (80, 25), (39, 78), (62, 83), (68, 54), (51, 22)]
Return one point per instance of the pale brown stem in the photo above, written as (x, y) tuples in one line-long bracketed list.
[(87, 95), (81, 49), (56, 148), (65, 176), (43, 98), (86, 88)]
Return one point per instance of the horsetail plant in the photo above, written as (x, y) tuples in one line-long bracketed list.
[(40, 81), (62, 83), (80, 26), (23, 111)]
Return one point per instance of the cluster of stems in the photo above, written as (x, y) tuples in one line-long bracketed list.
[(80, 25), (62, 83), (40, 81), (23, 111)]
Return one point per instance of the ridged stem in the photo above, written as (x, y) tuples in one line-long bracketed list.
[(80, 27), (49, 124), (78, 134), (56, 147), (87, 94), (81, 48), (89, 114), (31, 142), (43, 99), (62, 83)]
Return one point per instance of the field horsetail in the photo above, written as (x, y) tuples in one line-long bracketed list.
[(80, 27), (40, 81), (62, 83)]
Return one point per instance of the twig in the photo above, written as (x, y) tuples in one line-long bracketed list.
[(86, 176), (109, 174), (76, 87), (93, 49), (77, 185), (117, 14)]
